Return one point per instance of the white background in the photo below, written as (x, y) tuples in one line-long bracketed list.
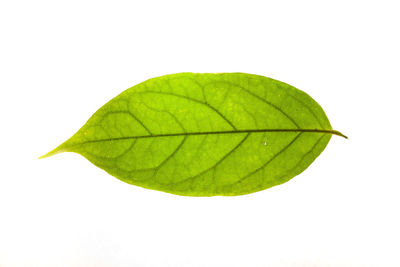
[(61, 60)]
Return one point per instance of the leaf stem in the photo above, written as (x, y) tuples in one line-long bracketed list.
[(223, 132), (61, 148)]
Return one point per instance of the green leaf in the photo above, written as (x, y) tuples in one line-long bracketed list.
[(205, 134)]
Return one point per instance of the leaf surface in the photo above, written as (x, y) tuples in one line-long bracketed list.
[(205, 134)]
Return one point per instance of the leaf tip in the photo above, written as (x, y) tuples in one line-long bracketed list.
[(52, 152), (44, 156), (47, 155)]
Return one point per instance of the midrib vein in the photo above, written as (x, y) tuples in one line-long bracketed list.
[(218, 132)]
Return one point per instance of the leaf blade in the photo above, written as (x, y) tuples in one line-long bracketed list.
[(202, 134)]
